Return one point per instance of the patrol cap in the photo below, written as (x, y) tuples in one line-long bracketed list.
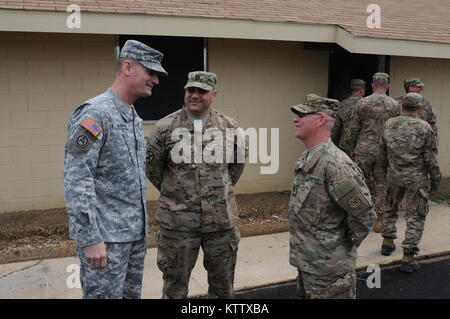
[(357, 84), (380, 76), (314, 103), (145, 55), (412, 82), (201, 79), (412, 99)]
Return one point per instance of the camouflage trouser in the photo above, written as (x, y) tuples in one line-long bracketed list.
[(375, 181), (341, 286), (416, 202), (122, 277), (177, 255)]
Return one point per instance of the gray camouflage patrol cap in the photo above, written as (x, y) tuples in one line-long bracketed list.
[(357, 84), (413, 82), (380, 76), (314, 103), (145, 55), (412, 99), (201, 79)]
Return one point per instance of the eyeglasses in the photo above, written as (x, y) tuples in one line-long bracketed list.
[(306, 114), (192, 90)]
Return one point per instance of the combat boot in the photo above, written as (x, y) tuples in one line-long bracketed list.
[(377, 227), (409, 263), (388, 246)]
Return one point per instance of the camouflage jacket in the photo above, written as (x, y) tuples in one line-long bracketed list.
[(195, 195), (104, 173), (407, 153), (369, 117), (330, 212), (426, 113), (343, 116)]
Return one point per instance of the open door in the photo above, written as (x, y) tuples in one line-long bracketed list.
[(344, 66)]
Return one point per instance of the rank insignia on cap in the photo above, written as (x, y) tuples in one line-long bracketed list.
[(91, 126)]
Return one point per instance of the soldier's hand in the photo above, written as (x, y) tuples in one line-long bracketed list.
[(96, 254)]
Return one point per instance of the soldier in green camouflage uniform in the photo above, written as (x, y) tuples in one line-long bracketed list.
[(330, 209), (426, 112), (197, 207), (407, 156), (364, 131), (345, 113), (104, 179)]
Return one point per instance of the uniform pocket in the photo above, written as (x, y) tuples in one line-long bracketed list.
[(127, 143), (235, 241), (299, 193), (166, 258), (118, 140), (422, 202), (303, 191)]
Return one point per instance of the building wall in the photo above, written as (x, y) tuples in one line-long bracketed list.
[(435, 74), (43, 78), (257, 83)]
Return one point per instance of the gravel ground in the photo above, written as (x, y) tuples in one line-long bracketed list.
[(45, 234)]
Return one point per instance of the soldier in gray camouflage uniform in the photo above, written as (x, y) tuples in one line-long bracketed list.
[(345, 113), (364, 131), (330, 209), (197, 207), (104, 179), (407, 155), (426, 112)]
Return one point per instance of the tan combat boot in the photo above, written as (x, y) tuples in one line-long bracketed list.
[(377, 226), (409, 264), (388, 246)]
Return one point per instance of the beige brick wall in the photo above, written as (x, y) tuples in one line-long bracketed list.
[(435, 74), (257, 82), (43, 78)]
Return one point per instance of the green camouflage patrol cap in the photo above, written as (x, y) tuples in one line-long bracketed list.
[(412, 99), (314, 103), (357, 84), (201, 79), (380, 76), (412, 82), (145, 55)]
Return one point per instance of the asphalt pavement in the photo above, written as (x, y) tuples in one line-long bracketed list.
[(432, 281)]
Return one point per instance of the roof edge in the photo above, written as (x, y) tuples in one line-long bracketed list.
[(140, 24)]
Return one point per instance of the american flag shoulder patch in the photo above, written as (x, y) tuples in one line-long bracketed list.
[(91, 126)]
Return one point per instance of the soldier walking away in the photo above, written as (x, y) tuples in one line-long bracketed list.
[(104, 179), (426, 112), (407, 157), (345, 113), (330, 208), (197, 207), (364, 131)]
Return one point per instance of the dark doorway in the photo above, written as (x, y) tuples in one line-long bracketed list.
[(344, 66), (181, 56)]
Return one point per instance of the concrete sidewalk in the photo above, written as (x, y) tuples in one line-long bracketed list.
[(262, 260)]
